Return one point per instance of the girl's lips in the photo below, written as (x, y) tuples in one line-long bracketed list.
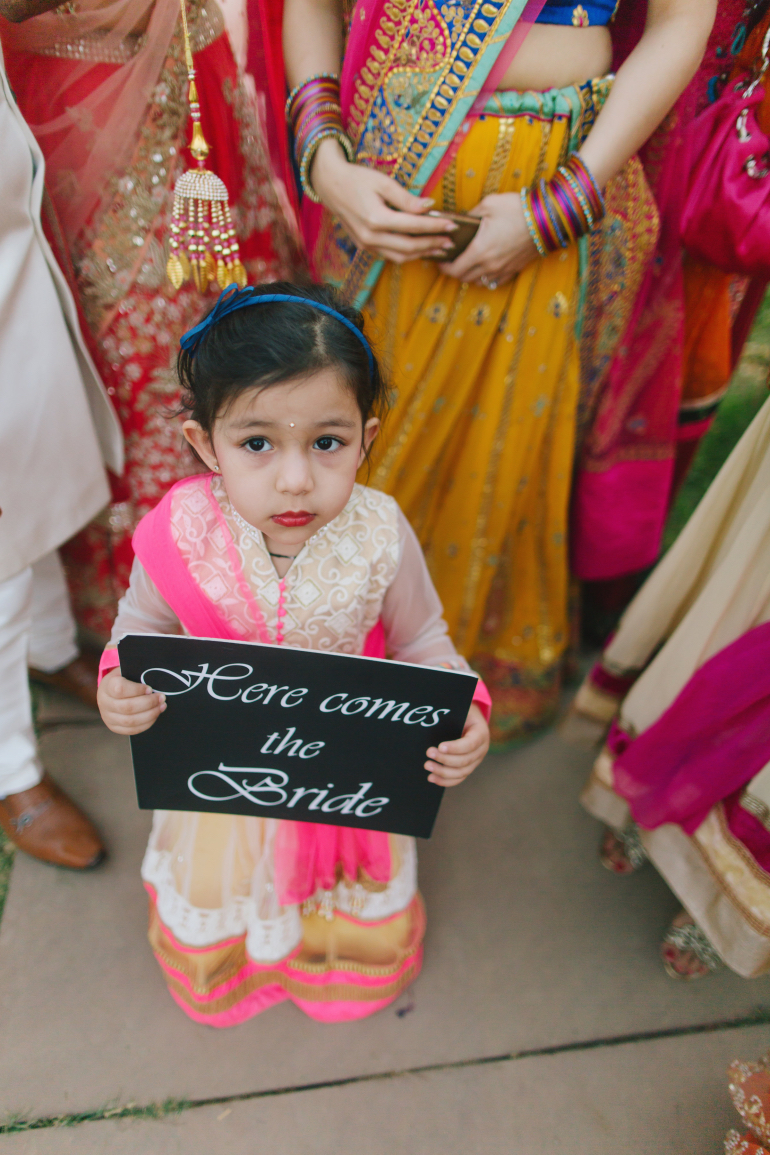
[(293, 519)]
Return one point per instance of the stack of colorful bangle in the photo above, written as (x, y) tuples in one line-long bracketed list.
[(315, 114), (560, 210)]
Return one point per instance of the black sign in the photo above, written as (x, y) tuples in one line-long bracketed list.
[(288, 733)]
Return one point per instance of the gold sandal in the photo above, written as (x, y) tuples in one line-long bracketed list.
[(625, 853), (691, 938)]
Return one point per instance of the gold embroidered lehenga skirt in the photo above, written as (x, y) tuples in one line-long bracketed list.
[(478, 445)]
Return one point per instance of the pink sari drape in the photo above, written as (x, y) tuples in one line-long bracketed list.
[(623, 481), (712, 740)]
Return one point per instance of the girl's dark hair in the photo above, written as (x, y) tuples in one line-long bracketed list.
[(266, 344)]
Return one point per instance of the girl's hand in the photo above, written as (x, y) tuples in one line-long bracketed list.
[(378, 213), (454, 761), (501, 248), (127, 707)]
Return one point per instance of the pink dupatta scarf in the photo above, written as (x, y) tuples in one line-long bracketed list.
[(712, 740), (307, 856)]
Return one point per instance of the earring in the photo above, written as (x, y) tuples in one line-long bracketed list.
[(216, 469)]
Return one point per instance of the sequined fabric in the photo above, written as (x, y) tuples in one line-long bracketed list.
[(750, 1092)]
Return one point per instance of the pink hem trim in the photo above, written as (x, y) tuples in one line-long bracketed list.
[(254, 1004), (614, 684), (261, 1000), (342, 1010), (283, 966)]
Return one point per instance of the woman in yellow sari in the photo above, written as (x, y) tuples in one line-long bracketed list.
[(478, 446)]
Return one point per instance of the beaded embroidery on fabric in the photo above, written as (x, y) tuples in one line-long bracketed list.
[(333, 591), (97, 47)]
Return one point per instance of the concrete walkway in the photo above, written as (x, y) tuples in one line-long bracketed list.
[(542, 1021)]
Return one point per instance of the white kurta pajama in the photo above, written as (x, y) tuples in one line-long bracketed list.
[(56, 431)]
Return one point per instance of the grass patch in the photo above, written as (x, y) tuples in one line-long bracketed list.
[(7, 851), (15, 1123)]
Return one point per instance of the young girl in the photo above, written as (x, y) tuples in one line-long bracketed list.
[(279, 544)]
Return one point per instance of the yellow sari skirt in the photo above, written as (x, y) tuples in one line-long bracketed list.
[(477, 447)]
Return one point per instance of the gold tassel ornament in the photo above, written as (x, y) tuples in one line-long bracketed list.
[(203, 245)]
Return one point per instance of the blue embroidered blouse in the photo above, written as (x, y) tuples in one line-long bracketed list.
[(592, 12)]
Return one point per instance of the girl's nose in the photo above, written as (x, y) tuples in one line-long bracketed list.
[(294, 472)]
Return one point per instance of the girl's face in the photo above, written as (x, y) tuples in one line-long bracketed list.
[(288, 455)]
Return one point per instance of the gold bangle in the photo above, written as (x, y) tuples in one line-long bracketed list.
[(309, 156)]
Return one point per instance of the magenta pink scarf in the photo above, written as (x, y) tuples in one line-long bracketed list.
[(712, 740)]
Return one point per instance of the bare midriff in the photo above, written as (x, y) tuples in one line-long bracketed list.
[(556, 56)]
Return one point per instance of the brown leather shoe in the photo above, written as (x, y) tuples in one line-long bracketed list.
[(44, 822), (79, 678)]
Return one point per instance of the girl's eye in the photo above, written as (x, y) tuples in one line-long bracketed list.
[(258, 444), (327, 443)]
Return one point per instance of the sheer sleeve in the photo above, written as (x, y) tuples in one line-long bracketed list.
[(142, 610), (412, 614)]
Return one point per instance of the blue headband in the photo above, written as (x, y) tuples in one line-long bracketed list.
[(234, 298)]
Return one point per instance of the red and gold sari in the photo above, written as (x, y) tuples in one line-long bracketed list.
[(108, 106)]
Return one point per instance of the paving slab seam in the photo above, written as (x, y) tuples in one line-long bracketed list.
[(170, 1106)]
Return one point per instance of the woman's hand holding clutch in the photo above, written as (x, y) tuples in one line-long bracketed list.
[(501, 248), (378, 213)]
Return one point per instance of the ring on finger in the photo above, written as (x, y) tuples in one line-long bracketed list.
[(491, 284)]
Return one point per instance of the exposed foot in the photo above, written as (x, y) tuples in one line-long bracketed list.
[(685, 950), (615, 855), (44, 822), (79, 678)]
